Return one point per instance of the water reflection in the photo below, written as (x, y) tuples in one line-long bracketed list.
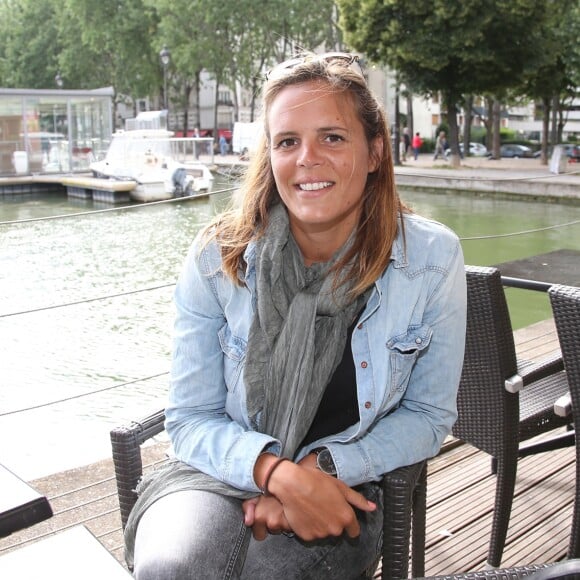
[(63, 352)]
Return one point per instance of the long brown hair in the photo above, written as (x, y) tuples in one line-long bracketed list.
[(381, 205)]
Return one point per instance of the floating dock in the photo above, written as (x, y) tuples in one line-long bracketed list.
[(75, 186), (106, 190)]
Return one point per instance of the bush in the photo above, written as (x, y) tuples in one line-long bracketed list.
[(478, 135), (428, 146)]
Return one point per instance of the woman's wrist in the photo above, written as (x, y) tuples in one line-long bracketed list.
[(262, 467)]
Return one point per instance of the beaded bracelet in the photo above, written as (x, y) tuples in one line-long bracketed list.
[(264, 488)]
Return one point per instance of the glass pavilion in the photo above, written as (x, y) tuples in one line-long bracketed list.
[(53, 131)]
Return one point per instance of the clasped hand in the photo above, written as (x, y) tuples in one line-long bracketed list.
[(307, 502)]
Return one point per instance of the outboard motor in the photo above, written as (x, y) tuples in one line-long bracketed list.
[(182, 182)]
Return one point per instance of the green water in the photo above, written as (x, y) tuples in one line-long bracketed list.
[(495, 220)]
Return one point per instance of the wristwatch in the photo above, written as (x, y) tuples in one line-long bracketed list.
[(324, 461)]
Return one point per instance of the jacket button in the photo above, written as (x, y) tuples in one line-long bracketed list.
[(368, 405), (418, 341), (364, 364)]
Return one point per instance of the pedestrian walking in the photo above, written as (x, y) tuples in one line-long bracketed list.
[(440, 146), (416, 144)]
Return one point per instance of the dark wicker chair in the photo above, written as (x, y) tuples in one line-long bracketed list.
[(566, 308), (567, 569), (405, 493), (494, 415)]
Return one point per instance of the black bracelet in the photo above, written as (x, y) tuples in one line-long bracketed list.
[(264, 488)]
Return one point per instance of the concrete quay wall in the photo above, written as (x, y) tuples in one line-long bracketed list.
[(549, 189)]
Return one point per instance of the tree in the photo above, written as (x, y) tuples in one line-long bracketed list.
[(454, 48), (108, 43), (237, 40), (557, 81), (30, 43)]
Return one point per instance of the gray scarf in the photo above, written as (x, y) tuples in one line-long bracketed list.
[(296, 341), (297, 337)]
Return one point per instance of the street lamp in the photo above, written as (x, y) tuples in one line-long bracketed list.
[(58, 80), (165, 57)]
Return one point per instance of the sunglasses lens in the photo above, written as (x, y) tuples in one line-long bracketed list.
[(350, 60)]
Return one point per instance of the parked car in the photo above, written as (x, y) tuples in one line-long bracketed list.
[(475, 150), (515, 151), (571, 151)]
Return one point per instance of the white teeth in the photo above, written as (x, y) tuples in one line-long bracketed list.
[(315, 186)]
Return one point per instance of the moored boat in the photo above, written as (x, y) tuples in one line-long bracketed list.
[(147, 157)]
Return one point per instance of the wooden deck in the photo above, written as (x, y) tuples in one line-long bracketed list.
[(459, 499)]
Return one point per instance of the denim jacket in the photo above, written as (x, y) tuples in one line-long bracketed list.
[(407, 348)]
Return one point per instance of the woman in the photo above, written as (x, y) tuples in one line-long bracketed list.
[(318, 344)]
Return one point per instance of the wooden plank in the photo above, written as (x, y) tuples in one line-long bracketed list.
[(458, 528)]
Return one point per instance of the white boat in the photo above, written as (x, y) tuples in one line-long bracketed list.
[(147, 157)]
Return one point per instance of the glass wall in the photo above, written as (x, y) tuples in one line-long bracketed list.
[(53, 131)]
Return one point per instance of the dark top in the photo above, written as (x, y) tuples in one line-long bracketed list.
[(338, 408)]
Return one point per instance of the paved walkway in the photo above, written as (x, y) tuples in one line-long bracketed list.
[(502, 176), (518, 177)]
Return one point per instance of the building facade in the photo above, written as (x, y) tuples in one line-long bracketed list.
[(53, 131)]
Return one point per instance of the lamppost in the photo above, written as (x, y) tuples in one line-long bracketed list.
[(165, 57), (58, 80)]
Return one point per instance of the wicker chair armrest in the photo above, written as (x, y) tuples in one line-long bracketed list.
[(530, 372), (126, 442), (405, 498), (564, 569), (563, 406), (496, 574), (541, 369)]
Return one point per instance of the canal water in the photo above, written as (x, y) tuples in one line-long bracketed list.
[(86, 307)]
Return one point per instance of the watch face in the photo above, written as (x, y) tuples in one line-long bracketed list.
[(325, 463)]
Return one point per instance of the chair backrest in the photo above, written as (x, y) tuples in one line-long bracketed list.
[(126, 443), (565, 302), (487, 412)]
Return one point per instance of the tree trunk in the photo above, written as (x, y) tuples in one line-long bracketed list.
[(451, 105), (467, 124), (397, 135), (186, 96), (216, 136), (496, 122), (545, 130), (489, 125), (554, 131), (197, 103), (562, 118), (410, 124)]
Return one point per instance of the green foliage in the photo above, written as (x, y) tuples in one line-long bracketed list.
[(117, 42), (455, 48), (29, 44), (507, 135), (459, 48), (473, 46), (478, 134)]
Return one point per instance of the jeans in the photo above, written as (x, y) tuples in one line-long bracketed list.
[(198, 534)]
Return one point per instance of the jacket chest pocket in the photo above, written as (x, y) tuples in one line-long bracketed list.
[(404, 350), (234, 349)]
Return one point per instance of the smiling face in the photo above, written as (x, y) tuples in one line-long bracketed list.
[(320, 159)]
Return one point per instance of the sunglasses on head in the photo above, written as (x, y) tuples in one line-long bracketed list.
[(349, 60)]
